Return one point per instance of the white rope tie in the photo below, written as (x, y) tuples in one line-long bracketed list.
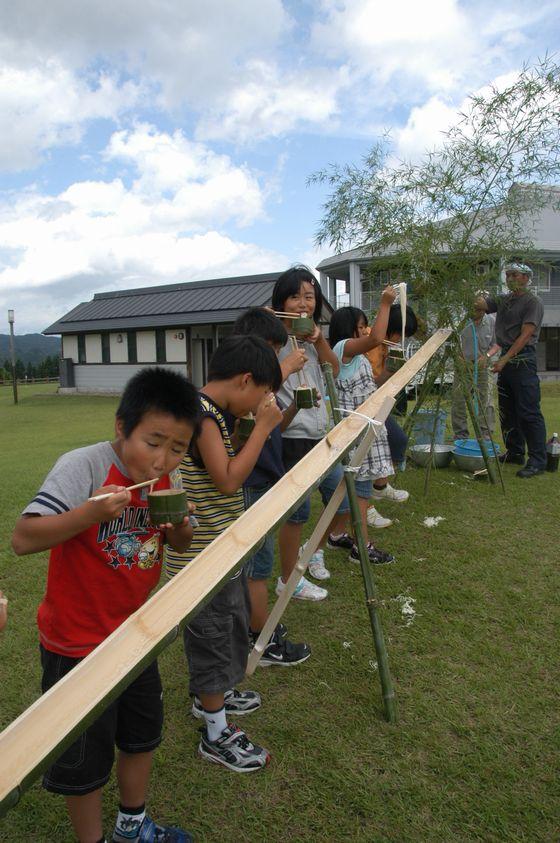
[(373, 423)]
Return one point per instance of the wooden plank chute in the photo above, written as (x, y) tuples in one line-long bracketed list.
[(51, 723)]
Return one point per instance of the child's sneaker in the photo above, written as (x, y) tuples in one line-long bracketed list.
[(390, 494), (237, 703), (317, 566), (375, 555), (151, 832), (305, 590), (234, 750), (375, 519), (281, 630), (342, 542), (283, 652)]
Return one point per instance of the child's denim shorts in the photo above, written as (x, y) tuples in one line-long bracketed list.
[(259, 566), (293, 450)]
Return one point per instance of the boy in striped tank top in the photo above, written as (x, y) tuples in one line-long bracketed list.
[(243, 375)]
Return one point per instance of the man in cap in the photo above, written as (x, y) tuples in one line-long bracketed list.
[(519, 315)]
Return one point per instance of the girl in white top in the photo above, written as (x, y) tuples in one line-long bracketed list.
[(351, 338)]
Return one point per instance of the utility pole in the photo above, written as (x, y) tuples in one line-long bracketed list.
[(13, 353)]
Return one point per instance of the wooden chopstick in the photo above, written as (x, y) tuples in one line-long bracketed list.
[(128, 489)]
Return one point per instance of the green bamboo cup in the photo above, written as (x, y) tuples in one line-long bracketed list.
[(302, 326), (167, 506), (305, 397), (246, 426)]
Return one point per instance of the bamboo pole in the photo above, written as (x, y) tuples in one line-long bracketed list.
[(430, 377), (459, 363), (46, 728), (436, 419), (372, 601), (482, 412)]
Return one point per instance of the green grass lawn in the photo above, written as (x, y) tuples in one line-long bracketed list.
[(474, 755)]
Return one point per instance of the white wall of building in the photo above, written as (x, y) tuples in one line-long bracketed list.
[(118, 350), (146, 346), (112, 378), (70, 346), (93, 348), (176, 345)]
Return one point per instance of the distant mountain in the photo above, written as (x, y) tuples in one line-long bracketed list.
[(29, 348)]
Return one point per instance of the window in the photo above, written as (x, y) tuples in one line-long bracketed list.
[(551, 337), (160, 345), (541, 277), (81, 348), (132, 352), (105, 349)]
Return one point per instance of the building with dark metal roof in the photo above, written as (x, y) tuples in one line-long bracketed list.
[(106, 340)]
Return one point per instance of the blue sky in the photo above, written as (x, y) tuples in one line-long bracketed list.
[(151, 142)]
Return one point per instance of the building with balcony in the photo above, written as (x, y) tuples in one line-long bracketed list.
[(351, 278)]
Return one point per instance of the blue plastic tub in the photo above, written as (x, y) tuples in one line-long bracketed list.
[(471, 448), (468, 456), (423, 427)]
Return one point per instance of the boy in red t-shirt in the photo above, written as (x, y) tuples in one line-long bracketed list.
[(105, 560)]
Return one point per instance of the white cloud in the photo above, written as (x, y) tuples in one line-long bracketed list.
[(53, 77), (404, 38), (426, 124), (270, 103), (193, 50), (191, 185), (424, 128), (402, 52), (158, 221), (47, 106)]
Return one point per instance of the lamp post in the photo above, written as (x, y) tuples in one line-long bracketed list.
[(13, 353)]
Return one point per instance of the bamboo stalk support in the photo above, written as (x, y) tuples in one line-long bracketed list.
[(482, 412), (51, 723), (460, 369), (430, 377), (433, 436), (360, 535)]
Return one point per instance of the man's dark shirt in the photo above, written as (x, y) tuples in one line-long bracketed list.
[(512, 312)]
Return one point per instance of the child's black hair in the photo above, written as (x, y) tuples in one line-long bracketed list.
[(237, 355), (159, 390), (259, 322), (394, 325), (344, 324), (289, 283)]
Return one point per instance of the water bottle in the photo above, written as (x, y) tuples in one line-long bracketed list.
[(553, 453)]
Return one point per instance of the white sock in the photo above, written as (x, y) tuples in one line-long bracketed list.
[(128, 823), (215, 723)]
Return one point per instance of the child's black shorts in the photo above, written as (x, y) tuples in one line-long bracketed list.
[(133, 722), (217, 640)]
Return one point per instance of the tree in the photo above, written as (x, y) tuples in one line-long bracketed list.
[(444, 223)]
